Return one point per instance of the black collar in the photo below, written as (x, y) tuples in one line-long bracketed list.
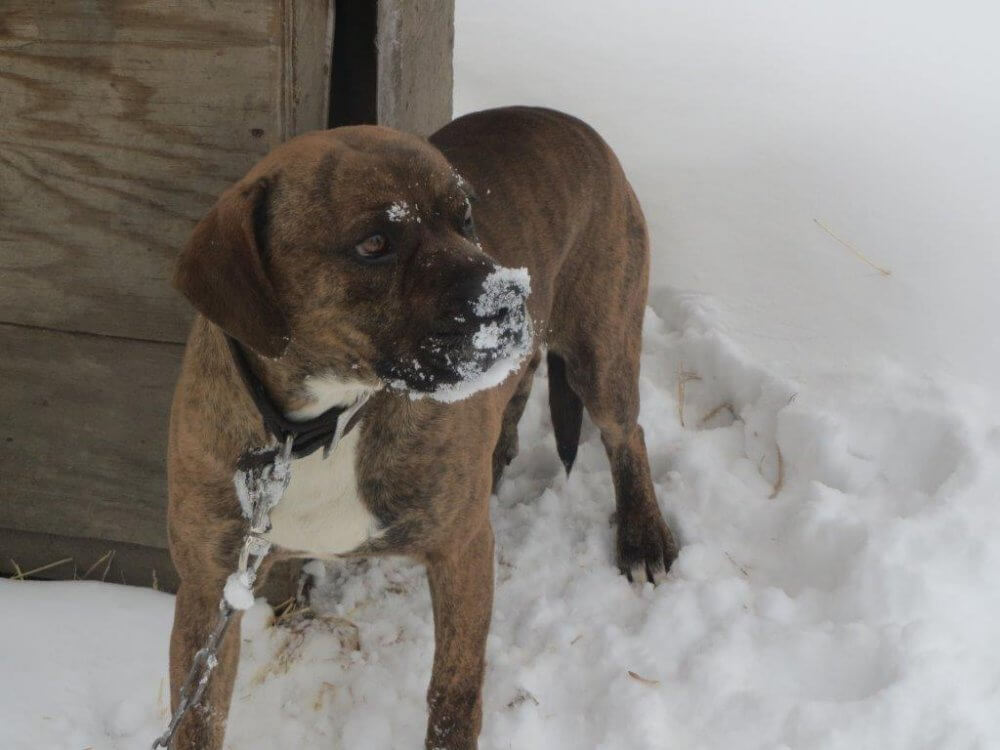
[(309, 435)]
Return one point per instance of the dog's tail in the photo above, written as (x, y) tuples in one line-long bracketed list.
[(566, 409)]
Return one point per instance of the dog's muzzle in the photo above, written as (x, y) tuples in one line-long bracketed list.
[(476, 347)]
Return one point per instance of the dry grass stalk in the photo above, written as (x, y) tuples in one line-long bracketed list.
[(161, 704), (103, 558), (683, 377), (20, 575), (849, 246), (522, 696), (299, 622), (107, 567), (283, 659), (736, 564), (780, 481), (643, 680), (293, 614), (326, 687), (724, 406)]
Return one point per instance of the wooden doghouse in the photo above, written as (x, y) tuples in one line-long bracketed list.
[(120, 122)]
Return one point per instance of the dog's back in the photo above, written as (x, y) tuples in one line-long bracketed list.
[(550, 193)]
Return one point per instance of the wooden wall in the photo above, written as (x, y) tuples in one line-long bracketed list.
[(120, 121)]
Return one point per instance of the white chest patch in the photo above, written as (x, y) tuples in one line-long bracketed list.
[(321, 513)]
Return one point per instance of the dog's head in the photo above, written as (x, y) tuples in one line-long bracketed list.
[(353, 252)]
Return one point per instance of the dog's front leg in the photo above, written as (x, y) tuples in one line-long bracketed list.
[(196, 611), (461, 584)]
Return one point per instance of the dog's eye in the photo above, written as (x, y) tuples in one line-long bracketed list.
[(376, 246)]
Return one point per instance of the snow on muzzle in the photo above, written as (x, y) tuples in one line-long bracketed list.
[(500, 343)]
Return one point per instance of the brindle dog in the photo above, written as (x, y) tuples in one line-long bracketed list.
[(348, 261)]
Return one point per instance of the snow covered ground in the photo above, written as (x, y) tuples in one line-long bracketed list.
[(824, 438)]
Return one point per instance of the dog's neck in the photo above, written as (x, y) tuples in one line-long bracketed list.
[(322, 416), (317, 393), (301, 394)]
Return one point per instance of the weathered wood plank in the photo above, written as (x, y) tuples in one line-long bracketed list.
[(80, 558), (415, 41), (120, 123), (83, 425), (308, 51)]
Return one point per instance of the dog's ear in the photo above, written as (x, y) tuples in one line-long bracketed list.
[(221, 271)]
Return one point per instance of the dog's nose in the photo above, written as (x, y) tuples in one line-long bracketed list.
[(463, 293), (463, 285), (485, 301)]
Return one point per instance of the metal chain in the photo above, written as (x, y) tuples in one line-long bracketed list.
[(264, 491), (264, 494)]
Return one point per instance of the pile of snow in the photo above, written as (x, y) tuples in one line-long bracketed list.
[(83, 665), (841, 596)]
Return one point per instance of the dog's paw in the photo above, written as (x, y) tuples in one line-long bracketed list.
[(646, 546)]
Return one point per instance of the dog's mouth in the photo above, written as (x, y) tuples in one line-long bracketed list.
[(472, 351)]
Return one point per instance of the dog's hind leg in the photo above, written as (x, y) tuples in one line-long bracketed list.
[(645, 545), (507, 444), (600, 344)]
